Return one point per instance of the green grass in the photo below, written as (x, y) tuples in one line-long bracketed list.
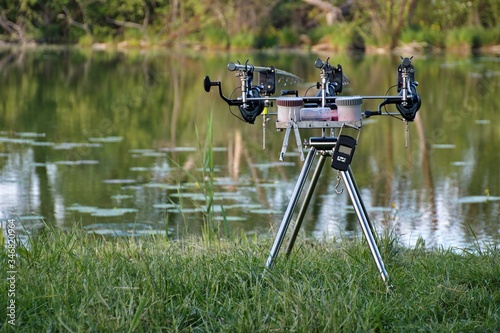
[(434, 37), (73, 281), (340, 37), (472, 38), (454, 40)]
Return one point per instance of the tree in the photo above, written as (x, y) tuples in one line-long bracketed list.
[(384, 20), (333, 13)]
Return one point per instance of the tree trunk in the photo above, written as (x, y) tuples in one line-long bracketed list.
[(333, 13), (13, 28)]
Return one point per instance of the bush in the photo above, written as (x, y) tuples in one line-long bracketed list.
[(215, 37), (85, 40), (489, 37), (342, 36), (433, 36), (472, 38), (288, 38), (266, 39), (463, 38), (242, 41)]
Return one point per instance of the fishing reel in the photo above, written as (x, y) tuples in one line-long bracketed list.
[(408, 102), (252, 101), (332, 76), (407, 88)]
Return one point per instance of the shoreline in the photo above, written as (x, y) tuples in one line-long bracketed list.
[(414, 48)]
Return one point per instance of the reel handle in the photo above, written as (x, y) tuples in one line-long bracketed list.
[(207, 84)]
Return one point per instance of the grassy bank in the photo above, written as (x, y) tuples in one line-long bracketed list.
[(74, 281)]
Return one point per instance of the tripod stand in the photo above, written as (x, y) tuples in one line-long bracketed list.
[(309, 112), (323, 147)]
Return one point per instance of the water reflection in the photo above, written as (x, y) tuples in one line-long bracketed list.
[(116, 142)]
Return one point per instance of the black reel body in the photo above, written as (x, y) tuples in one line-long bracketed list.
[(407, 89), (409, 110), (332, 75), (330, 91), (252, 109), (337, 79)]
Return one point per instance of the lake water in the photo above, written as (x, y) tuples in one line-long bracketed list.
[(117, 143)]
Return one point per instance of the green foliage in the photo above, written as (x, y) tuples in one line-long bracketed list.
[(266, 39), (290, 14), (214, 37), (341, 36), (432, 36), (242, 24), (490, 37), (243, 40), (85, 41), (455, 14), (471, 38), (288, 38), (463, 38)]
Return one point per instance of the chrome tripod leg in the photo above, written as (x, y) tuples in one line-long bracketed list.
[(349, 170), (364, 222), (291, 206), (305, 203)]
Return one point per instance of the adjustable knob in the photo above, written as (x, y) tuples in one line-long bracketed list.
[(207, 84)]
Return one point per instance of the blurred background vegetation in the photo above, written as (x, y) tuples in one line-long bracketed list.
[(364, 25)]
